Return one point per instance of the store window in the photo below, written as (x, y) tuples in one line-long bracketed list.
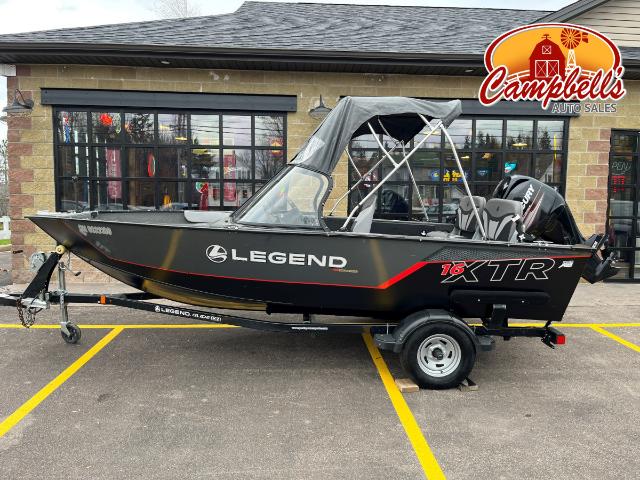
[(488, 148), (623, 215), (122, 160)]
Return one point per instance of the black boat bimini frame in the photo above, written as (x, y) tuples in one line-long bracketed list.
[(397, 165)]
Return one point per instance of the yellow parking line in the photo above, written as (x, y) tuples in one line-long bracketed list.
[(618, 339), (22, 411), (126, 326), (428, 461)]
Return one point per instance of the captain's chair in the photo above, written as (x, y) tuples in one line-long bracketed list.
[(465, 222), (364, 219), (502, 221)]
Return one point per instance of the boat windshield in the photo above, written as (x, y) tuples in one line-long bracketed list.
[(295, 200)]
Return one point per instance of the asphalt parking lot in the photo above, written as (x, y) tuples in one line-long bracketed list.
[(152, 401)]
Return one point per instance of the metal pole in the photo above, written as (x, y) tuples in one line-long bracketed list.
[(360, 180), (404, 152), (394, 170), (464, 178), (62, 288)]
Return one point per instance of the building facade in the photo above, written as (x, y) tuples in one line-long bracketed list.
[(157, 128)]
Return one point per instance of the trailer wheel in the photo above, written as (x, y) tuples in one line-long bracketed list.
[(438, 355), (74, 334)]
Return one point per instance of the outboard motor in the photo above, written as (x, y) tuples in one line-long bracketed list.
[(547, 217)]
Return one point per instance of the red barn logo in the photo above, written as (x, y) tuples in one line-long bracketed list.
[(564, 62)]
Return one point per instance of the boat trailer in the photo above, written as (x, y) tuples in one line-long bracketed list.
[(393, 336)]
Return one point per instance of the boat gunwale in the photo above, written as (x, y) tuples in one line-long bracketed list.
[(235, 227)]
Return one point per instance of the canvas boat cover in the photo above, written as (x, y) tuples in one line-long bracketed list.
[(397, 116)]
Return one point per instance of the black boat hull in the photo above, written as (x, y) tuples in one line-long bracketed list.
[(279, 270)]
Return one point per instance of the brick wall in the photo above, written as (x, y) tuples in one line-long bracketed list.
[(588, 167), (31, 135)]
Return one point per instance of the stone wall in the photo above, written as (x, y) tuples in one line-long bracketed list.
[(31, 135), (588, 166)]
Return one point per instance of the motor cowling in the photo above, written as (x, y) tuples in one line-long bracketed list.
[(547, 217)]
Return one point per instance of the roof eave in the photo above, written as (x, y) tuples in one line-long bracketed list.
[(571, 11)]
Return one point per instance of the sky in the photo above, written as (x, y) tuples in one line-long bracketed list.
[(31, 15)]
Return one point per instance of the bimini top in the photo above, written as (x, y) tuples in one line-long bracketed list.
[(395, 116)]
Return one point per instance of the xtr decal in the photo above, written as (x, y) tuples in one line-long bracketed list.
[(516, 270)]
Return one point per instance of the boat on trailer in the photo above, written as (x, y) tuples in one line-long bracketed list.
[(517, 255)]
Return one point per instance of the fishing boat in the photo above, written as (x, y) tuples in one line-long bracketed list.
[(516, 255)]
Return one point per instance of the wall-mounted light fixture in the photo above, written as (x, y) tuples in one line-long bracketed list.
[(319, 112), (26, 105)]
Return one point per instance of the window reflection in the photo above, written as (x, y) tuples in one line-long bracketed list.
[(236, 193), (106, 126), (109, 195), (205, 129), (139, 127), (172, 163), (107, 161), (72, 127), (205, 163), (74, 195), (236, 164), (149, 159), (548, 167), (489, 134), (172, 128), (269, 131), (550, 134), (173, 195), (73, 161), (460, 132), (488, 166), (236, 130), (141, 162), (517, 163), (268, 163), (519, 134), (141, 194)]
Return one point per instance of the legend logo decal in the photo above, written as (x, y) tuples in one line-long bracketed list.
[(218, 254), (551, 62)]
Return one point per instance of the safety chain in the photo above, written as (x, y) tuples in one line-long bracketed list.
[(28, 319)]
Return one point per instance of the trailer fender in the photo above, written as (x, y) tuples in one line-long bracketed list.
[(395, 341)]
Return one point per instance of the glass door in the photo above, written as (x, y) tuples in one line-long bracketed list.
[(622, 218)]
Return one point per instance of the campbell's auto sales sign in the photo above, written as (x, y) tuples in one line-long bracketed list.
[(552, 62)]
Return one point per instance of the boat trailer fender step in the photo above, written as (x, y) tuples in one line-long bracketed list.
[(395, 341)]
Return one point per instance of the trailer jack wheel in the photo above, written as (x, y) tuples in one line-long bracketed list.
[(438, 355), (74, 336)]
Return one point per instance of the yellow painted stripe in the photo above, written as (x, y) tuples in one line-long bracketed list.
[(15, 418), (126, 326), (428, 461), (618, 339), (569, 325)]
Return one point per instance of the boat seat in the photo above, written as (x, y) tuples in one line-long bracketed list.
[(364, 219), (465, 222), (502, 221)]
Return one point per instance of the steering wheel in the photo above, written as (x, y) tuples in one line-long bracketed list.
[(285, 216)]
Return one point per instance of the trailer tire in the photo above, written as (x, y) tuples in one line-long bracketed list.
[(438, 355)]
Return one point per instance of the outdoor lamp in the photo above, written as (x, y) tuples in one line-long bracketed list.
[(319, 112), (26, 105)]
